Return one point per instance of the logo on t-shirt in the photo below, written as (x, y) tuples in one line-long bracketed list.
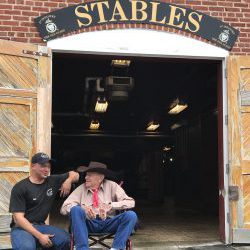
[(50, 192)]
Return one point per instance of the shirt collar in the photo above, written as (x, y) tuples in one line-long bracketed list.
[(101, 187)]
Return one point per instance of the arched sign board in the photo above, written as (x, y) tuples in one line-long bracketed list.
[(57, 23)]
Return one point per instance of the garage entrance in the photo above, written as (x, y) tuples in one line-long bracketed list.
[(171, 169)]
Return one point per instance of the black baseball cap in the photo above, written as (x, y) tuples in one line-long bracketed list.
[(41, 158)]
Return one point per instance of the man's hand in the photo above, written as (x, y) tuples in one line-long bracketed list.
[(90, 213), (45, 241), (65, 188), (103, 210)]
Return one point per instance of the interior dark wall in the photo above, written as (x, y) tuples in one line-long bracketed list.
[(196, 173)]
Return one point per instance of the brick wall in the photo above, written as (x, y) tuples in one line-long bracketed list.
[(17, 18)]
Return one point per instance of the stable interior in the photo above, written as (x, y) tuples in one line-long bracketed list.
[(171, 172)]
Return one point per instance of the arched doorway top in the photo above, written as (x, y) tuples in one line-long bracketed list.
[(137, 42)]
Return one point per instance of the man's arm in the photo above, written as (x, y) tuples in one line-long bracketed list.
[(73, 200), (123, 201), (22, 222), (66, 186)]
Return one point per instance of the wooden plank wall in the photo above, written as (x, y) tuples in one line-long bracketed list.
[(239, 142), (18, 105)]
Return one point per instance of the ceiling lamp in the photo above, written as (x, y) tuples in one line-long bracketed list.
[(175, 126), (176, 107), (94, 125), (166, 148), (120, 63), (101, 105), (152, 126)]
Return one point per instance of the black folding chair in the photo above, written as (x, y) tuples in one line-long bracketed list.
[(99, 238)]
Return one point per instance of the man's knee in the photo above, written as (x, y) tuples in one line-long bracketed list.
[(130, 216), (77, 210), (65, 243)]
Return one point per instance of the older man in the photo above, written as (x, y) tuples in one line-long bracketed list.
[(92, 208), (30, 202)]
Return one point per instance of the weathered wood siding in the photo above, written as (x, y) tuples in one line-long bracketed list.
[(25, 113), (239, 144)]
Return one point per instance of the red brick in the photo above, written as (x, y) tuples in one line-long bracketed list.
[(210, 3), (12, 12), (3, 33), (30, 13), (10, 23), (5, 28), (19, 39), (43, 9), (50, 4), (21, 7), (238, 24), (22, 29), (26, 24), (29, 3), (20, 34), (4, 38), (11, 34), (216, 8), (19, 1), (5, 6), (5, 17), (20, 18), (241, 5), (36, 40), (224, 4)]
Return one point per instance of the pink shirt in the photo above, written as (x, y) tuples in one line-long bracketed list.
[(109, 193)]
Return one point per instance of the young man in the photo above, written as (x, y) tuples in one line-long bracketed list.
[(30, 202), (92, 208)]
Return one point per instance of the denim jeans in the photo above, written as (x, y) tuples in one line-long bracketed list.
[(22, 240), (122, 225)]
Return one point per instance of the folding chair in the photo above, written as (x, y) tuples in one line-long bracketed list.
[(99, 238)]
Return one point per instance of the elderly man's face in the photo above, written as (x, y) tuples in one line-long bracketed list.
[(93, 180)]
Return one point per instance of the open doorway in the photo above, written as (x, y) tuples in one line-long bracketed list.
[(171, 172)]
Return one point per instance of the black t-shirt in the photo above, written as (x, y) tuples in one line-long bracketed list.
[(35, 200)]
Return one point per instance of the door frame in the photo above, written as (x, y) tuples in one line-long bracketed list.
[(119, 44)]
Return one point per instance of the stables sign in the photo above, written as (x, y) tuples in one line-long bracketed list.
[(94, 13)]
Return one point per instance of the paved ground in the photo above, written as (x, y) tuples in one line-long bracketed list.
[(165, 228)]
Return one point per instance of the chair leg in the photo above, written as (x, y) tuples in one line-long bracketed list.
[(71, 242), (100, 240), (129, 245)]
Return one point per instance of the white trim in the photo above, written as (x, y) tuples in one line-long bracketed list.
[(137, 42), (152, 43)]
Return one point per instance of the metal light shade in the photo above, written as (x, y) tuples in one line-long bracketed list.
[(153, 126), (94, 125), (120, 63), (101, 106), (177, 107)]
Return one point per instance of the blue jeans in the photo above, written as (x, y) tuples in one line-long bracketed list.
[(22, 240), (122, 225)]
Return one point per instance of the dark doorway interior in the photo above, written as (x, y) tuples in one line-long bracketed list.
[(173, 169)]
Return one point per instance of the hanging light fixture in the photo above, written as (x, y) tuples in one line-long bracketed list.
[(152, 126), (175, 126), (94, 125), (176, 107), (120, 63), (101, 105), (166, 148)]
